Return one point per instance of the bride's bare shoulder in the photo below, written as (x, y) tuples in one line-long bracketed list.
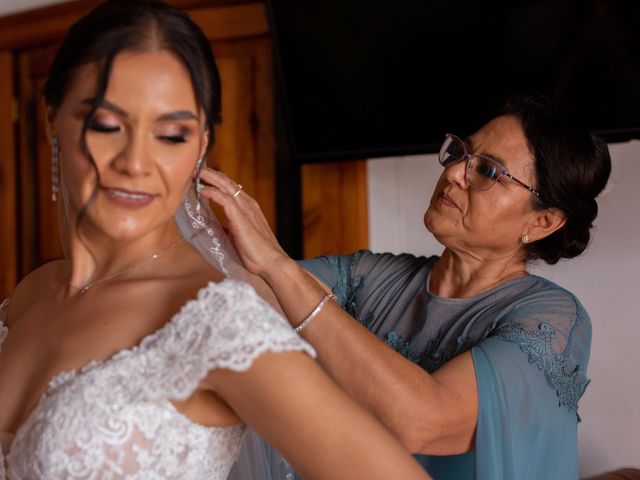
[(191, 267), (178, 281), (40, 277), (35, 285)]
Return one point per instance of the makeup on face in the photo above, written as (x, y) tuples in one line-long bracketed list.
[(129, 164)]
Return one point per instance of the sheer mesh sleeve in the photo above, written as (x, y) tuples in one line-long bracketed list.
[(363, 281), (338, 273), (521, 431), (554, 331)]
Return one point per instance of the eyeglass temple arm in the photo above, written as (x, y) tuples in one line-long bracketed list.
[(522, 184)]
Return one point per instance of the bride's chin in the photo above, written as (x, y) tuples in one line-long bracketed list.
[(103, 221), (119, 229)]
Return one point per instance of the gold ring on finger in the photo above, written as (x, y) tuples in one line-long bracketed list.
[(237, 192)]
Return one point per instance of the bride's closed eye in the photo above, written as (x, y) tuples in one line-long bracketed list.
[(173, 134), (104, 123), (173, 138), (102, 127), (170, 135)]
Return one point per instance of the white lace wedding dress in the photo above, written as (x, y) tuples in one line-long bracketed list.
[(113, 419)]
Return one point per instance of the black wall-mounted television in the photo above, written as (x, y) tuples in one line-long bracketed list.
[(370, 78)]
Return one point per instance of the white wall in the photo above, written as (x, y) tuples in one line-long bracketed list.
[(606, 278)]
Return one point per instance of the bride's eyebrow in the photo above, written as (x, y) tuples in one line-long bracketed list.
[(106, 105), (177, 115)]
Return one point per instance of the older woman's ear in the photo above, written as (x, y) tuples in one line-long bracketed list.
[(544, 223)]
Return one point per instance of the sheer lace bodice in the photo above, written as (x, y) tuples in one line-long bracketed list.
[(113, 419)]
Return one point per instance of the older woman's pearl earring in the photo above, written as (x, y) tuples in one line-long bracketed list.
[(525, 239), (55, 168)]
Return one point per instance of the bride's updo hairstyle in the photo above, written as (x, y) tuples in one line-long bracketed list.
[(136, 26), (572, 167)]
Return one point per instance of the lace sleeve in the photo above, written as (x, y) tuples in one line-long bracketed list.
[(4, 306), (555, 333), (227, 326)]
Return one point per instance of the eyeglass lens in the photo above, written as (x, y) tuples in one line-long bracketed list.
[(481, 172)]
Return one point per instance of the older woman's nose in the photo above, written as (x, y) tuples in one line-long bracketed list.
[(456, 173)]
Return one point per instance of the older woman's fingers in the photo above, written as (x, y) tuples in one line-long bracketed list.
[(223, 190), (233, 211), (220, 180), (239, 221), (257, 246)]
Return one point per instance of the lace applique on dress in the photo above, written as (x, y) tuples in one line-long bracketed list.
[(348, 285), (398, 343), (113, 420), (431, 358), (568, 380)]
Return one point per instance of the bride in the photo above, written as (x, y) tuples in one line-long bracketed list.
[(135, 356)]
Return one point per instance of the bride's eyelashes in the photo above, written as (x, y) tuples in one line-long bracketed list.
[(174, 139), (102, 127), (104, 122), (180, 136), (173, 134)]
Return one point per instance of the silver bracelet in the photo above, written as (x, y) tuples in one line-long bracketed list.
[(316, 311)]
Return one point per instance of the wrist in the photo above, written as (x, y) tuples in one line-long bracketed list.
[(280, 268), (328, 297)]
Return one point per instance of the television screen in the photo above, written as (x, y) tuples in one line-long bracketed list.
[(369, 78)]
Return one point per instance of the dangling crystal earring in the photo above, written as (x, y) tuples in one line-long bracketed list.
[(198, 184), (55, 168), (525, 239)]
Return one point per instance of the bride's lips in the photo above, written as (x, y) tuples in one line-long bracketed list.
[(127, 198)]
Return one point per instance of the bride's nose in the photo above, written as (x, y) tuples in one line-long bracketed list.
[(135, 158)]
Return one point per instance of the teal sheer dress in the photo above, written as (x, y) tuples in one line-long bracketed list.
[(529, 340)]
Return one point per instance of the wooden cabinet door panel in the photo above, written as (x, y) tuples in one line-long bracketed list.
[(8, 178), (39, 234), (334, 208), (245, 145)]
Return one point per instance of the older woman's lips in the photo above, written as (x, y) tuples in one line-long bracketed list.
[(128, 199), (447, 200)]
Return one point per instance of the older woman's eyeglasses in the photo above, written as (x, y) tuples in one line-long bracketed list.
[(481, 171)]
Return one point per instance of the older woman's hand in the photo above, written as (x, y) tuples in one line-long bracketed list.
[(249, 230)]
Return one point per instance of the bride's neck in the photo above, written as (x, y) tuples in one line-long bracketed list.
[(94, 255)]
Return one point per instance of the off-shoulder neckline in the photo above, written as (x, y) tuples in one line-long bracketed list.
[(59, 379), (62, 378)]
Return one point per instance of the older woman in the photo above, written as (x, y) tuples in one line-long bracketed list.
[(134, 357), (474, 363)]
